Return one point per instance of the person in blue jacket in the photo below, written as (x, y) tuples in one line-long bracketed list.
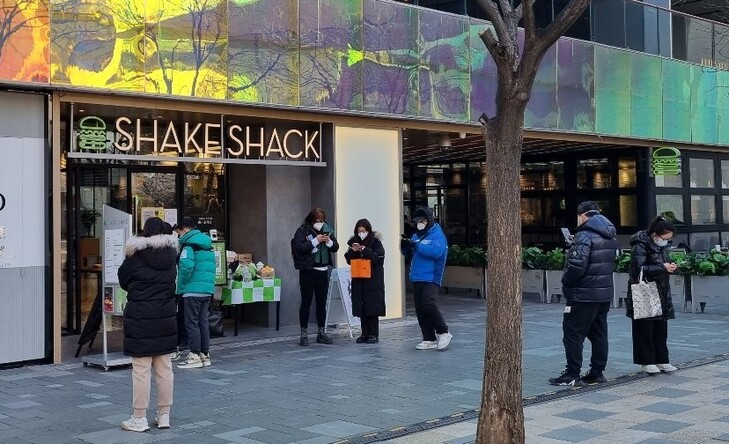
[(428, 249)]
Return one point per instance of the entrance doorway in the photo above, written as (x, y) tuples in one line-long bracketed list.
[(135, 190)]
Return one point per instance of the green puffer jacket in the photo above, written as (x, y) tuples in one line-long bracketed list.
[(196, 267)]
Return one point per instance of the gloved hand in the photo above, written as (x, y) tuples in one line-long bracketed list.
[(406, 244)]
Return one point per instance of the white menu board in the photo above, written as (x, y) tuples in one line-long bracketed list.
[(117, 227)]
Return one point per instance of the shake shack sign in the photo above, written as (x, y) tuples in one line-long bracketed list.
[(222, 140)]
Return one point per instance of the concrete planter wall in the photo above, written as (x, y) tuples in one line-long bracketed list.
[(532, 281), (472, 278), (678, 291), (620, 288), (553, 283), (705, 289)]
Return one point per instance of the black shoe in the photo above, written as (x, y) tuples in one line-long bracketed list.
[(361, 340), (592, 377), (373, 340), (567, 379), (304, 339), (322, 337)]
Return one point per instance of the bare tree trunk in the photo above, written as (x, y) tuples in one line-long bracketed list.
[(502, 416)]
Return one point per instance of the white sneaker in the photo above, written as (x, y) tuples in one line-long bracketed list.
[(651, 369), (444, 340), (427, 345), (205, 359), (192, 361), (666, 368), (135, 424), (162, 420)]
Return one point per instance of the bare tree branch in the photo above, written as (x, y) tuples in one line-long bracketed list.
[(549, 35), (530, 27), (492, 13)]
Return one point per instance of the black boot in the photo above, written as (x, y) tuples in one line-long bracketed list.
[(322, 337), (304, 339)]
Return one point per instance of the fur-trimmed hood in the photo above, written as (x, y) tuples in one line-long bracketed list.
[(158, 252)]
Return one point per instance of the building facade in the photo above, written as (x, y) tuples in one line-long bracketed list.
[(244, 115)]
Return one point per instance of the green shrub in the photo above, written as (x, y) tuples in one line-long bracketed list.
[(554, 259), (467, 256), (622, 263)]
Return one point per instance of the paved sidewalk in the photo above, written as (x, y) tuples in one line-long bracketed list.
[(689, 406), (273, 391)]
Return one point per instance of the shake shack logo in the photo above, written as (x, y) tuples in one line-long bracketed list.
[(666, 161), (2, 201), (199, 139)]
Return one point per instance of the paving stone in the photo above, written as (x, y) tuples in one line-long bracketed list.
[(660, 425), (670, 392), (573, 434), (21, 404), (585, 414), (666, 408), (338, 429)]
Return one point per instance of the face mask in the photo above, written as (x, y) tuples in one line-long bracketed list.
[(318, 225), (661, 242), (421, 226), (362, 236)]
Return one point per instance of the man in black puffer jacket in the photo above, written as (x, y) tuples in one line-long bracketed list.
[(587, 286)]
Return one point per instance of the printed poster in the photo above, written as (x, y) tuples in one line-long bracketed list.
[(113, 254)]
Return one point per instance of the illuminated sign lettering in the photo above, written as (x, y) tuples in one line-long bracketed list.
[(666, 161)]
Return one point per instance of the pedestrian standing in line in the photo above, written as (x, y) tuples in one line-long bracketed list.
[(650, 336), (196, 284), (587, 286), (428, 249), (312, 248), (150, 331), (368, 293)]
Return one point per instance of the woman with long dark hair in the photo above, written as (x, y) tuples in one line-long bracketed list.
[(368, 293), (150, 326), (649, 254)]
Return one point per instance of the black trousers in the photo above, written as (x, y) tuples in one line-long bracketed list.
[(426, 308), (370, 326), (585, 320), (650, 341), (313, 283)]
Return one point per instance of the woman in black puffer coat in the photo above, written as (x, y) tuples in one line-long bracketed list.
[(368, 294), (650, 336), (148, 275)]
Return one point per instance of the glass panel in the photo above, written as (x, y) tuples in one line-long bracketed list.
[(724, 238), (543, 211), (204, 196), (698, 39), (669, 181), (390, 68), (453, 216), (477, 209), (542, 111), (444, 78), (575, 95), (24, 41), (608, 22), (627, 176), (721, 46), (613, 74), (152, 193), (703, 210), (703, 241), (542, 176), (646, 97), (483, 74), (671, 207), (637, 24), (705, 89), (676, 100), (593, 174), (701, 173), (454, 6), (725, 174), (725, 202), (628, 211), (264, 59)]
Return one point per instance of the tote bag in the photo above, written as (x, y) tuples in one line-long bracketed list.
[(646, 300), (361, 268)]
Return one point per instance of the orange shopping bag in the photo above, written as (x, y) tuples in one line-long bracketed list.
[(361, 268)]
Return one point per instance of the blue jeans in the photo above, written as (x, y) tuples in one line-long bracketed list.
[(196, 323)]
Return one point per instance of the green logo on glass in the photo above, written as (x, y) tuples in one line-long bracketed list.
[(666, 161), (92, 134)]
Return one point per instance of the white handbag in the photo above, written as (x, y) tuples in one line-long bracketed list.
[(646, 299)]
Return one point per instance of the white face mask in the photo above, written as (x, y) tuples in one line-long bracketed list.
[(362, 236), (318, 225), (661, 242), (421, 226)]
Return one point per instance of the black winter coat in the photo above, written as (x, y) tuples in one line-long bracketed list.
[(646, 254), (303, 251), (588, 273), (368, 295), (148, 275)]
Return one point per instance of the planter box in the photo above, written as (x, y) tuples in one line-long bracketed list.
[(620, 288), (678, 291), (706, 289), (532, 281), (473, 278), (553, 285)]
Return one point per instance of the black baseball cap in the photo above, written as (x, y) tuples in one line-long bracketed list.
[(590, 207), (185, 222)]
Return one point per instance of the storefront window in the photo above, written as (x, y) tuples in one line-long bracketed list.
[(725, 174), (204, 196), (669, 181), (627, 177), (701, 173), (542, 176), (703, 241), (671, 207), (703, 210), (593, 174), (628, 211), (725, 201), (543, 211)]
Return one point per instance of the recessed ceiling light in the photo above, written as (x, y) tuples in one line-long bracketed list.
[(82, 110)]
